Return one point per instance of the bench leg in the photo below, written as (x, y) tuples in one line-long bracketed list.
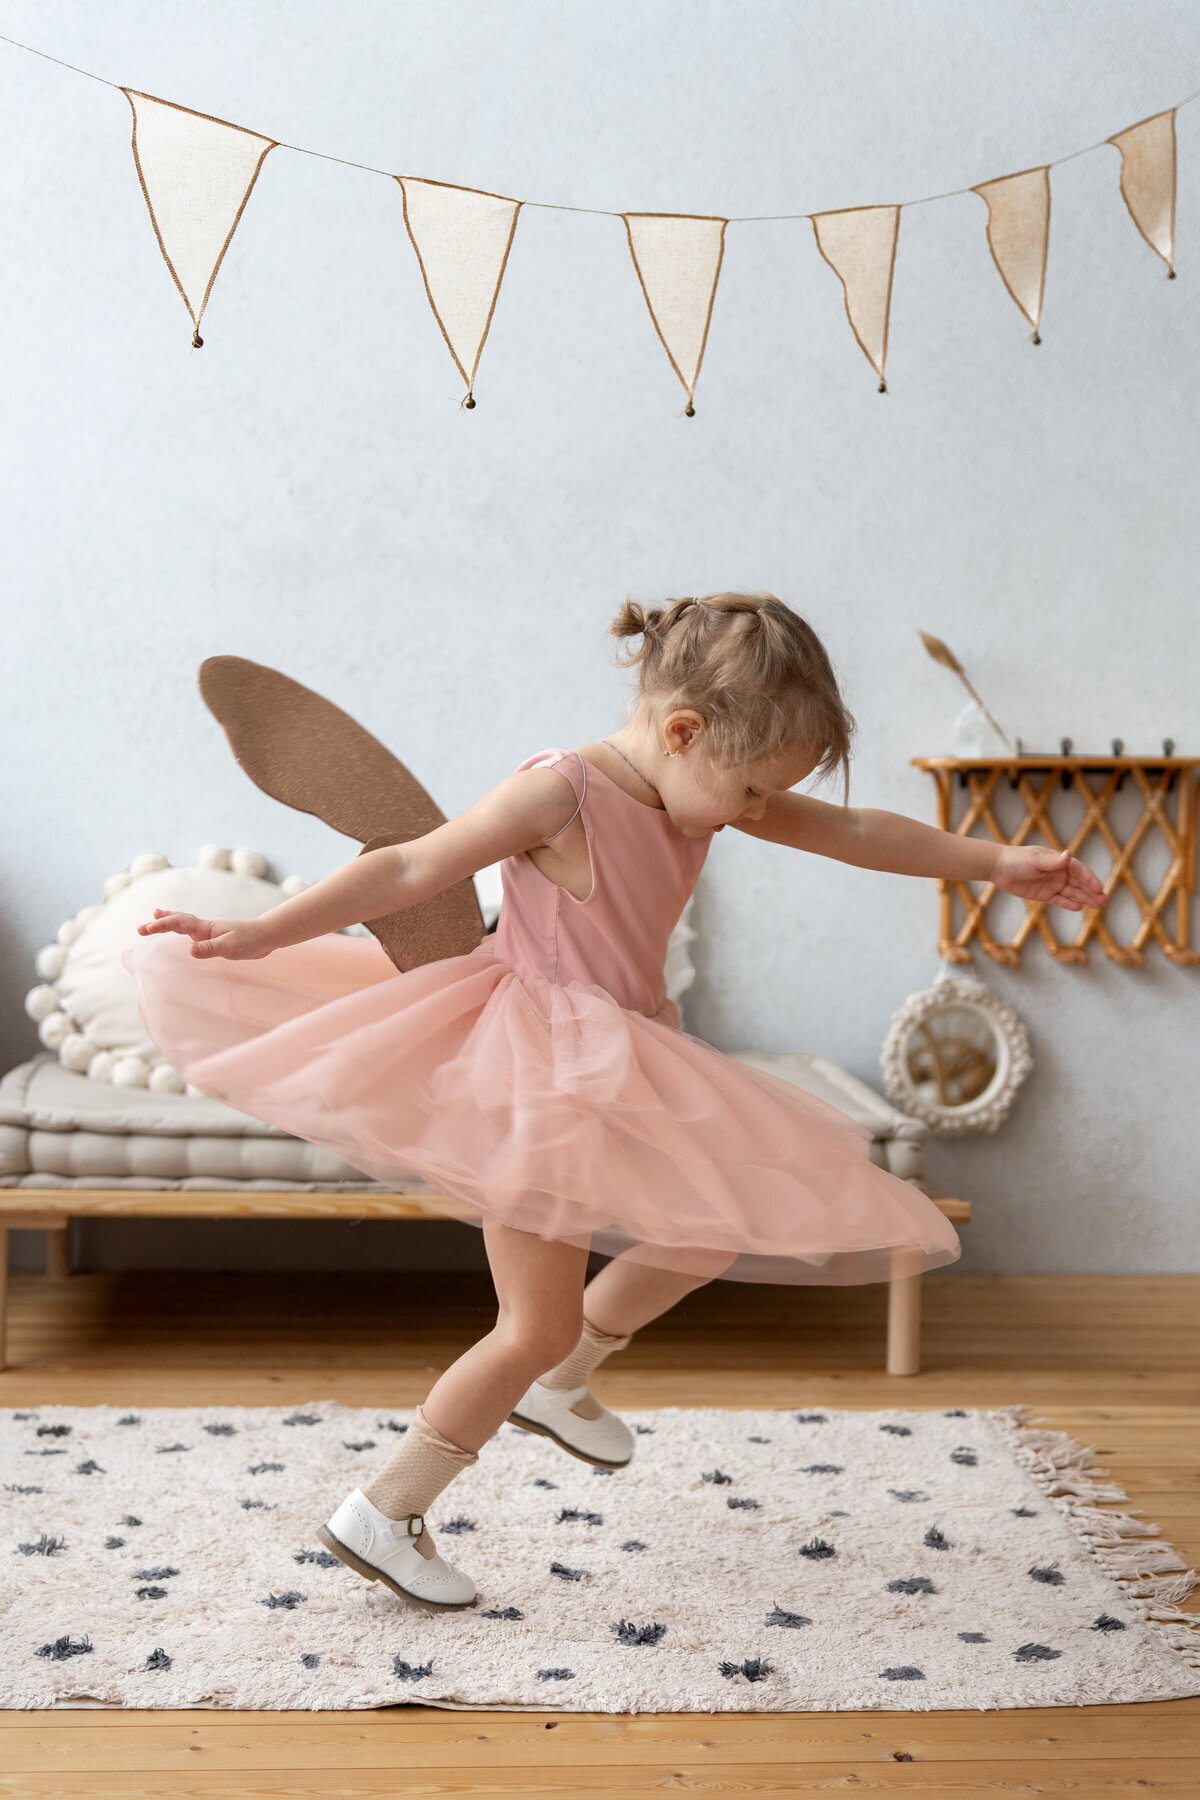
[(58, 1252), (904, 1315), (3, 1296)]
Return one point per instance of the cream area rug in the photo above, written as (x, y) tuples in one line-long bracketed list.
[(744, 1562)]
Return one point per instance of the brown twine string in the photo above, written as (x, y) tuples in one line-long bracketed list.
[(601, 211)]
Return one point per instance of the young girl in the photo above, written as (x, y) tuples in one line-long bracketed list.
[(543, 1080)]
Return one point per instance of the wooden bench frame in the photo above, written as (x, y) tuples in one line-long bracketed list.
[(52, 1209)]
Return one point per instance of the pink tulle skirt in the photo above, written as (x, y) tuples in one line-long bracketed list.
[(546, 1107)]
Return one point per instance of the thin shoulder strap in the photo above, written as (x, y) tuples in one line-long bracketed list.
[(579, 804)]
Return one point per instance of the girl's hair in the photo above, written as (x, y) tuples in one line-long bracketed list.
[(752, 668)]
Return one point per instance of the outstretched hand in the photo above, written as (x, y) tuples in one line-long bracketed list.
[(239, 940), (1052, 876)]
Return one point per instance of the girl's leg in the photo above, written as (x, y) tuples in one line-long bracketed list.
[(539, 1285), (623, 1297)]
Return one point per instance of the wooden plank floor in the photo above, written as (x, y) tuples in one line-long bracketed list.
[(1113, 1360)]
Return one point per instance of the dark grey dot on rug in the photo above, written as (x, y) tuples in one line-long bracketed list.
[(54, 1431), (129, 1519), (458, 1526), (1106, 1622), (565, 1574), (1029, 1653), (163, 1574), (645, 1430), (911, 1584), (503, 1612), (152, 1593), (265, 1468), (556, 1674), (157, 1659), (758, 1440), (1022, 1512), (309, 1660), (897, 1430), (89, 1468), (793, 1621), (737, 1505), (904, 1672), (753, 1669), (21, 1417), (633, 1544), (45, 1453), (519, 1429), (817, 1550), (626, 1632), (171, 1449), (540, 1481), (64, 1647), (604, 1471), (964, 1456), (973, 1637), (718, 1478), (367, 1444), (303, 1419), (14, 1487), (576, 1515), (43, 1546), (114, 1543), (221, 1430), (256, 1506), (934, 1539), (287, 1601), (322, 1558), (823, 1469), (406, 1671), (908, 1494), (1050, 1577), (390, 1425), (955, 1412), (130, 1419), (812, 1419)]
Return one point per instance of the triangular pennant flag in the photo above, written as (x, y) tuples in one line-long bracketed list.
[(196, 174), (678, 261), (462, 238), (859, 245), (1019, 235), (1148, 181)]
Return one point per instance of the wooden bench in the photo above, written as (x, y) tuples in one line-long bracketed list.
[(52, 1209)]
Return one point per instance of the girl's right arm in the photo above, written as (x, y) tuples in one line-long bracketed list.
[(518, 814)]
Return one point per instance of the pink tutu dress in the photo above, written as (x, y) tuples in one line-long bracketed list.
[(543, 1080)]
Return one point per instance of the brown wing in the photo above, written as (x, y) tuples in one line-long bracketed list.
[(305, 751)]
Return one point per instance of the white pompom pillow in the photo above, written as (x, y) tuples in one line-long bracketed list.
[(86, 1010)]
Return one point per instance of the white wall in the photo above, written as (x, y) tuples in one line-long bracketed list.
[(305, 491)]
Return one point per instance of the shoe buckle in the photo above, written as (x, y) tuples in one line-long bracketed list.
[(420, 1523)]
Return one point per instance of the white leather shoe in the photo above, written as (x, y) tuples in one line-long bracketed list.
[(606, 1442), (385, 1550)]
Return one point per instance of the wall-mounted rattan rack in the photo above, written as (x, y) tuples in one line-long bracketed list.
[(1167, 785)]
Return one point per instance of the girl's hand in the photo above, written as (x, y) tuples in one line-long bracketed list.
[(1053, 876), (240, 940)]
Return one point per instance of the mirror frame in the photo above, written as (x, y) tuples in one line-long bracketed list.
[(1014, 1061)]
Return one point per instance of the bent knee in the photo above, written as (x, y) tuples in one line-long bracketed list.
[(542, 1344)]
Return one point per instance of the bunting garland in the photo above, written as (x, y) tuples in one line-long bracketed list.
[(197, 173)]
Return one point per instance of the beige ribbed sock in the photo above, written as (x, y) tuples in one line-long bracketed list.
[(415, 1474), (574, 1370)]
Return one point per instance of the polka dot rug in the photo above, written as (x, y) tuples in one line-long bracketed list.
[(744, 1562)]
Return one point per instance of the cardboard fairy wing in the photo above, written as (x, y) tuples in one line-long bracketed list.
[(305, 751)]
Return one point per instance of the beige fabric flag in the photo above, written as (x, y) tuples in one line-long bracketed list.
[(462, 238), (1019, 235), (196, 174), (678, 261), (1148, 181), (859, 244)]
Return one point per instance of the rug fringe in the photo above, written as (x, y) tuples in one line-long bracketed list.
[(1154, 1576)]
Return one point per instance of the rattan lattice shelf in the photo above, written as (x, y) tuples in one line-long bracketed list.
[(1167, 786)]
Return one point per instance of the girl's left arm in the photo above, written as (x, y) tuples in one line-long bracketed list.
[(871, 839)]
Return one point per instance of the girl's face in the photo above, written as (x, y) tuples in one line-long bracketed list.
[(702, 796)]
